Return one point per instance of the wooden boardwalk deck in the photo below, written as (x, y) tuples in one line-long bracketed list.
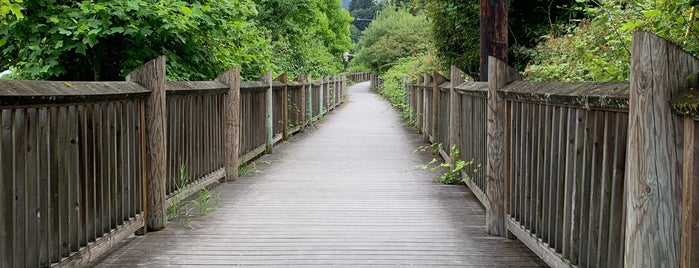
[(345, 194)]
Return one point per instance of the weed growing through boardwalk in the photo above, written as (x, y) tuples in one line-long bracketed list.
[(200, 204), (453, 174)]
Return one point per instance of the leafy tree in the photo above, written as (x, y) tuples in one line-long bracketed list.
[(105, 40), (599, 48), (394, 35), (363, 12), (456, 34), (309, 36)]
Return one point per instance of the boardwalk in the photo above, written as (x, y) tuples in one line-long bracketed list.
[(345, 194)]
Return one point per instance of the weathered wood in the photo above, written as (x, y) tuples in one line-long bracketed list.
[(231, 110), (19, 92), (93, 251), (269, 114), (309, 101), (653, 230), (494, 34), (285, 107), (588, 95), (437, 79), (500, 75), (454, 113), (551, 257), (152, 77), (690, 195)]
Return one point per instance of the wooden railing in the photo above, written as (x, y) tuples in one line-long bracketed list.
[(585, 174), (86, 164)]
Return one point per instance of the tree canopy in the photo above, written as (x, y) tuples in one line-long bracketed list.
[(105, 40), (394, 35)]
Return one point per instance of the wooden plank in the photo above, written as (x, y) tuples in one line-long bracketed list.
[(19, 206), (653, 217), (6, 184), (44, 194), (93, 251), (73, 180), (198, 184), (595, 181), (32, 93), (31, 185), (54, 204), (540, 248), (559, 173), (690, 188), (601, 256), (527, 165), (547, 178), (454, 117), (152, 76), (553, 128), (617, 208), (584, 191)]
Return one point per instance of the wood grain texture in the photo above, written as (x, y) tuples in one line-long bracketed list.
[(690, 196), (454, 114), (500, 75), (322, 201), (152, 76), (269, 113), (653, 229)]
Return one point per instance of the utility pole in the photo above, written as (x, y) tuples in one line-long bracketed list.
[(494, 33)]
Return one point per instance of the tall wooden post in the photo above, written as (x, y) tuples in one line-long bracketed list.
[(309, 101), (269, 115), (494, 33), (406, 94), (690, 197), (231, 137), (321, 95), (304, 100), (438, 79), (659, 70), (455, 112), (285, 106), (152, 76), (497, 163), (425, 107)]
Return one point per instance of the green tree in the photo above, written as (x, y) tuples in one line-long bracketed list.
[(309, 36), (395, 34), (363, 12), (456, 34), (105, 40)]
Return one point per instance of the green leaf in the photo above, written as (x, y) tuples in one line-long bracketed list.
[(186, 10), (3, 41), (83, 28), (651, 13), (59, 44)]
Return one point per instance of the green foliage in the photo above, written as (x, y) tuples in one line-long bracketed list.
[(84, 40), (394, 35), (598, 49), (10, 10), (452, 175), (201, 204), (392, 87), (456, 33), (309, 36)]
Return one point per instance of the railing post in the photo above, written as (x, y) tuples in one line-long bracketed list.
[(455, 112), (285, 106), (659, 71), (302, 112), (309, 101), (690, 197), (269, 115), (152, 76), (425, 107), (500, 74), (437, 79), (231, 137), (321, 94)]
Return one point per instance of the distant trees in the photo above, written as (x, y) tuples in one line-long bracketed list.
[(394, 35), (105, 40)]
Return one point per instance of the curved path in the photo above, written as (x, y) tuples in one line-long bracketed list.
[(345, 194)]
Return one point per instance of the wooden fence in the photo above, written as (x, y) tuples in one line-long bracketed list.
[(86, 164), (584, 174)]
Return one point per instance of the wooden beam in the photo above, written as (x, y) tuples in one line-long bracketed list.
[(285, 106), (231, 137), (659, 71), (152, 76), (496, 173), (690, 197), (438, 80), (269, 114), (494, 33)]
